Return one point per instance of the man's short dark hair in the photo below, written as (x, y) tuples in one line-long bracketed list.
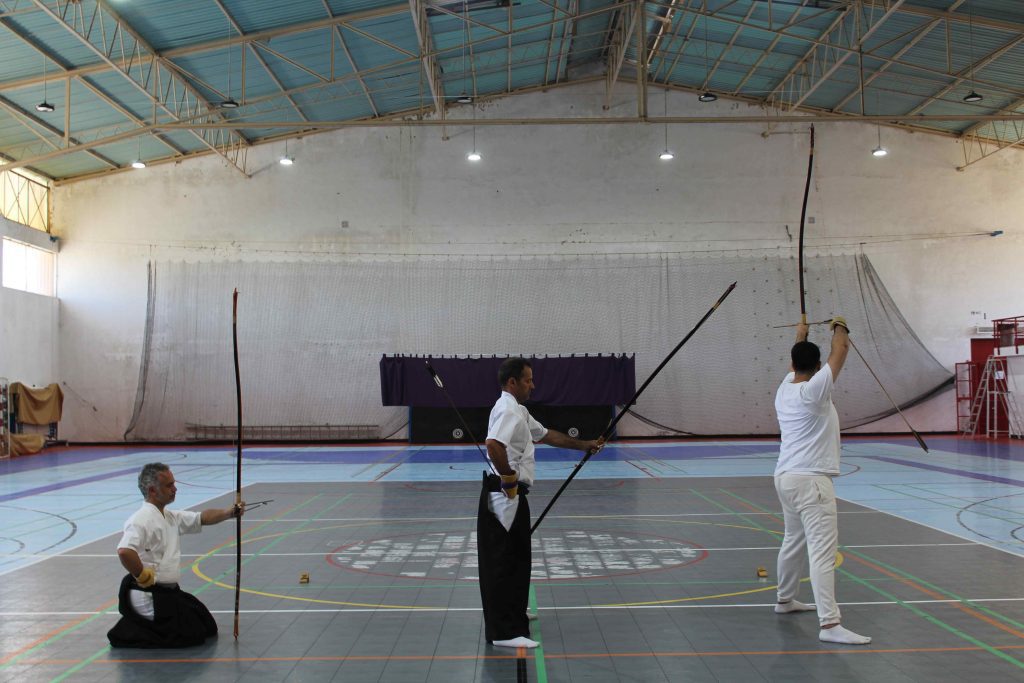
[(148, 476), (512, 368), (806, 356)]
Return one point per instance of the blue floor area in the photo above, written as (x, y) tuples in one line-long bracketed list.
[(59, 500)]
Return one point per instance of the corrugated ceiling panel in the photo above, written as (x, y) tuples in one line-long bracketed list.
[(590, 33), (257, 15), (342, 7), (121, 90), (15, 137), (71, 165), (1007, 70), (19, 59), (210, 70), (66, 47), (1004, 10), (339, 101), (367, 52), (184, 140), (392, 34), (394, 90), (165, 24), (90, 112)]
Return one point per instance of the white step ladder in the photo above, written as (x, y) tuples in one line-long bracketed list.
[(994, 397)]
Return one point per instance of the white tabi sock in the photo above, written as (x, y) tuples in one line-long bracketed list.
[(521, 641), (838, 634), (792, 606)]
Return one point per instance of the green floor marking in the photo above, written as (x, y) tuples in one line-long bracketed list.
[(927, 617), (906, 574), (538, 652), (106, 649)]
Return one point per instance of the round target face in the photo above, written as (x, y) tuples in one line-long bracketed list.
[(573, 432), (457, 433)]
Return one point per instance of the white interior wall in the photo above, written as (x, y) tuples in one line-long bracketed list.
[(542, 189), (28, 322)]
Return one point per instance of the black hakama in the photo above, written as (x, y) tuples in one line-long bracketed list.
[(180, 620), (505, 564)]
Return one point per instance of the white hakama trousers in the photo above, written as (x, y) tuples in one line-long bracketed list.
[(812, 532)]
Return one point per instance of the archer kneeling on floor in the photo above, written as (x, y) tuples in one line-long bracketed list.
[(155, 612)]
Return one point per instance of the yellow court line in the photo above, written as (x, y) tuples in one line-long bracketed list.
[(198, 572)]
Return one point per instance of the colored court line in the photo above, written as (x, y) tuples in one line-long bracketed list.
[(69, 483), (511, 657), (54, 634), (951, 506), (906, 576), (381, 461), (538, 652), (284, 596), (947, 470), (106, 649), (913, 582)]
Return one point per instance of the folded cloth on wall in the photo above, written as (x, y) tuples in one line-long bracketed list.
[(38, 406), (27, 444)]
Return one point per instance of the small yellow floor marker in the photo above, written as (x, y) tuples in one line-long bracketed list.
[(762, 573), (304, 577)]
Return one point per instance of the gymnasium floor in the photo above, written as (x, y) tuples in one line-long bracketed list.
[(644, 571)]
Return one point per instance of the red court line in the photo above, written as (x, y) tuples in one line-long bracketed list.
[(933, 594), (915, 585), (547, 655), (107, 605), (56, 632)]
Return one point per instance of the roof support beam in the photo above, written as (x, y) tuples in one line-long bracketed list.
[(845, 36), (768, 50), (950, 15), (968, 71), (924, 31), (117, 44), (337, 35), (428, 59), (641, 61), (30, 121), (1009, 109), (508, 85), (568, 29), (977, 148), (128, 115), (666, 20), (732, 41), (852, 50), (259, 58), (667, 78), (143, 61), (625, 23), (399, 121)]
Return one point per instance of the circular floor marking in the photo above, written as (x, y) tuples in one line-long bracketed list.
[(559, 554)]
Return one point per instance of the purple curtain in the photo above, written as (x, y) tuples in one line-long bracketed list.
[(473, 382)]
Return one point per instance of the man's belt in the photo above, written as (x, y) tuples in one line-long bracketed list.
[(492, 484)]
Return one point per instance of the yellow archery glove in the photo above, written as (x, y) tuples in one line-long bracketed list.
[(510, 484), (146, 578), (839, 320)]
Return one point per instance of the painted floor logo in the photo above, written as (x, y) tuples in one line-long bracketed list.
[(558, 554)]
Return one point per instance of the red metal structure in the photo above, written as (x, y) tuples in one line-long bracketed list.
[(1009, 332), (983, 400)]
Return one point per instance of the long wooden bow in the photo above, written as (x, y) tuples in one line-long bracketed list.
[(803, 293), (803, 219), (238, 459), (611, 426)]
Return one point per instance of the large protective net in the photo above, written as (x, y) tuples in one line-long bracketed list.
[(311, 335)]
